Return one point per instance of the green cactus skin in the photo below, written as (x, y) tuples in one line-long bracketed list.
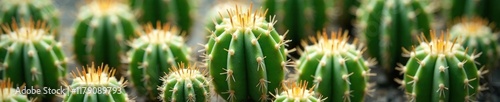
[(475, 34), (336, 68), (386, 26), (96, 84), (36, 10), (347, 12), (30, 54), (151, 56), (440, 70), (8, 93), (298, 92), (102, 28), (165, 11), (246, 56), (185, 84)]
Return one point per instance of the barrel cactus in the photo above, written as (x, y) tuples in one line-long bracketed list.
[(36, 10), (30, 54), (440, 70), (246, 56), (101, 30), (298, 92), (335, 62), (152, 54), (96, 84), (8, 93), (185, 84), (386, 26)]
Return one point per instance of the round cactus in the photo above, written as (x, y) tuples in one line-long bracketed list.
[(9, 94), (152, 54), (335, 62), (96, 84), (29, 54), (178, 12), (246, 56), (184, 84), (298, 92), (475, 34), (36, 10), (102, 28), (440, 71)]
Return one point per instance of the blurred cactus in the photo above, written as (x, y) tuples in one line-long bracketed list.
[(298, 92), (8, 92), (185, 84), (36, 10), (246, 56), (347, 12)]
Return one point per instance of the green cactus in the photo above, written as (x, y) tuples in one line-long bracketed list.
[(347, 12), (102, 29), (29, 54), (475, 34), (151, 56), (455, 9), (246, 56), (386, 26), (440, 70), (9, 94), (36, 10), (335, 62), (178, 12), (298, 92), (96, 84), (185, 84), (217, 13)]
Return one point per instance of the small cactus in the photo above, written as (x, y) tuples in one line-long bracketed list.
[(152, 54), (184, 84), (440, 71), (30, 54), (336, 68), (246, 56), (298, 92), (96, 84), (9, 94), (36, 10), (102, 28), (178, 12)]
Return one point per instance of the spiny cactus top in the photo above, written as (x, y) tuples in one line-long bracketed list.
[(96, 84), (218, 12), (246, 56), (8, 92), (298, 92), (185, 84), (37, 10), (101, 30), (29, 54), (475, 34), (440, 70), (152, 54), (335, 67)]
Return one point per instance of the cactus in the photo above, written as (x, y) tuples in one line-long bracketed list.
[(36, 10), (179, 12), (440, 70), (9, 94), (217, 13), (475, 34), (152, 54), (347, 12), (386, 26), (96, 84), (184, 84), (246, 56), (335, 62), (297, 92), (29, 54), (102, 28)]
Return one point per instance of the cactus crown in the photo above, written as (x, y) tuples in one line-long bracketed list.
[(298, 90), (105, 7), (27, 31), (161, 34), (6, 89), (240, 18), (473, 26), (96, 76), (437, 45), (184, 72), (338, 42)]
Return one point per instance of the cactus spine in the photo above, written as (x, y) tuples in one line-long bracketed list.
[(178, 12), (440, 70), (246, 56), (335, 62), (152, 54), (298, 92), (36, 10), (184, 84), (96, 84), (29, 54), (8, 92), (102, 28)]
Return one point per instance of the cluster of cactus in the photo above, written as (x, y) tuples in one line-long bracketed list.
[(96, 84), (9, 94), (185, 84), (152, 54), (36, 10), (386, 26), (102, 29), (165, 11), (246, 56), (298, 92), (29, 54), (335, 62), (440, 70)]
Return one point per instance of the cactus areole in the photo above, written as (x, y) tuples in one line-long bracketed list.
[(246, 56)]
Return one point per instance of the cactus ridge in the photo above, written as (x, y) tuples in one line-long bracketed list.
[(185, 83)]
